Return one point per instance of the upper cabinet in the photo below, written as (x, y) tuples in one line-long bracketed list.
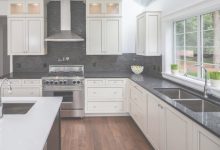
[(103, 23), (26, 8), (148, 34), (26, 23), (101, 8)]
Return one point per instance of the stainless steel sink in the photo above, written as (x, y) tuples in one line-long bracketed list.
[(16, 108), (177, 93), (199, 105)]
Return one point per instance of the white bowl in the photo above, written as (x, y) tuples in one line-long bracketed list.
[(137, 69)]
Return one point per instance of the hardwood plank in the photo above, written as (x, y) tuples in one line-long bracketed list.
[(102, 133)]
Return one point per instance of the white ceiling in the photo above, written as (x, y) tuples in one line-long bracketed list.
[(168, 6)]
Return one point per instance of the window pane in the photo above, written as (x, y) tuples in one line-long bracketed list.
[(191, 39), (192, 70), (208, 21), (191, 54), (211, 38), (208, 38), (180, 53), (180, 27), (180, 40), (191, 24), (181, 66)]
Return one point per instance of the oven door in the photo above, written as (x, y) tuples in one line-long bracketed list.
[(71, 99)]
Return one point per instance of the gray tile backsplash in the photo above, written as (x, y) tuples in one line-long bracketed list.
[(77, 51)]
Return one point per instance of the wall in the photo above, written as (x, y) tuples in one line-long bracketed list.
[(3, 7), (4, 58), (77, 51)]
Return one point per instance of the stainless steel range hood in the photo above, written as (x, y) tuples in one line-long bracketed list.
[(65, 35)]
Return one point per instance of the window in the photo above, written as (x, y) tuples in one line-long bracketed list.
[(197, 41)]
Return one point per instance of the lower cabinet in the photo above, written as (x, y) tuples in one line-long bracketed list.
[(105, 96), (164, 126), (138, 105), (178, 131), (156, 123), (203, 140), (23, 88), (22, 92)]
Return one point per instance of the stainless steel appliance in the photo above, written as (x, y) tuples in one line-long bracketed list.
[(66, 81)]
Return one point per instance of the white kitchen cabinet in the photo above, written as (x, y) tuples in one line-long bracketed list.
[(204, 140), (23, 88), (103, 36), (16, 35), (94, 36), (103, 8), (138, 105), (156, 122), (148, 34), (26, 36), (105, 96), (26, 8), (178, 131)]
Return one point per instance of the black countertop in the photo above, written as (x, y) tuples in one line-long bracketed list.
[(25, 75), (209, 120)]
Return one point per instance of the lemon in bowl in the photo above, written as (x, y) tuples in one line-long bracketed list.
[(137, 69)]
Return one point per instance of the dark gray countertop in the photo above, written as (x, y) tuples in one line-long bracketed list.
[(209, 120), (25, 75)]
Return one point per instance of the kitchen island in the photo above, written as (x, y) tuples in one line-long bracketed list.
[(33, 130)]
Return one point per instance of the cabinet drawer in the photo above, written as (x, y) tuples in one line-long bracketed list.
[(32, 82), (13, 82), (138, 96), (95, 82), (22, 92), (115, 82), (108, 93), (105, 107)]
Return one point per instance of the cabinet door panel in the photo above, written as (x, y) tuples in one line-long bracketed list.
[(177, 126), (94, 36), (153, 121), (112, 36), (35, 35), (152, 40), (16, 36), (204, 140), (141, 35)]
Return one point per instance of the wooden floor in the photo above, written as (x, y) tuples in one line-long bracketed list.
[(102, 133)]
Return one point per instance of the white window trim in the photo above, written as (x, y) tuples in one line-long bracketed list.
[(167, 36)]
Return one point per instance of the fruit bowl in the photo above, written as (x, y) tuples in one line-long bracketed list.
[(137, 69)]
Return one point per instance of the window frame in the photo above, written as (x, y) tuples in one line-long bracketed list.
[(200, 45)]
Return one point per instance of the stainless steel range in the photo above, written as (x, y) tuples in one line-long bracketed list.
[(66, 81)]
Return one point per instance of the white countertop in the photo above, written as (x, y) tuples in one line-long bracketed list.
[(29, 131)]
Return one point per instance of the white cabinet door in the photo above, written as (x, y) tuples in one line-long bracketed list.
[(156, 120), (112, 36), (141, 38), (16, 36), (94, 36), (152, 37), (148, 34), (35, 38), (178, 131), (203, 140)]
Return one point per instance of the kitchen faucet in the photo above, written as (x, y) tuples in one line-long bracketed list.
[(10, 90), (206, 80)]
